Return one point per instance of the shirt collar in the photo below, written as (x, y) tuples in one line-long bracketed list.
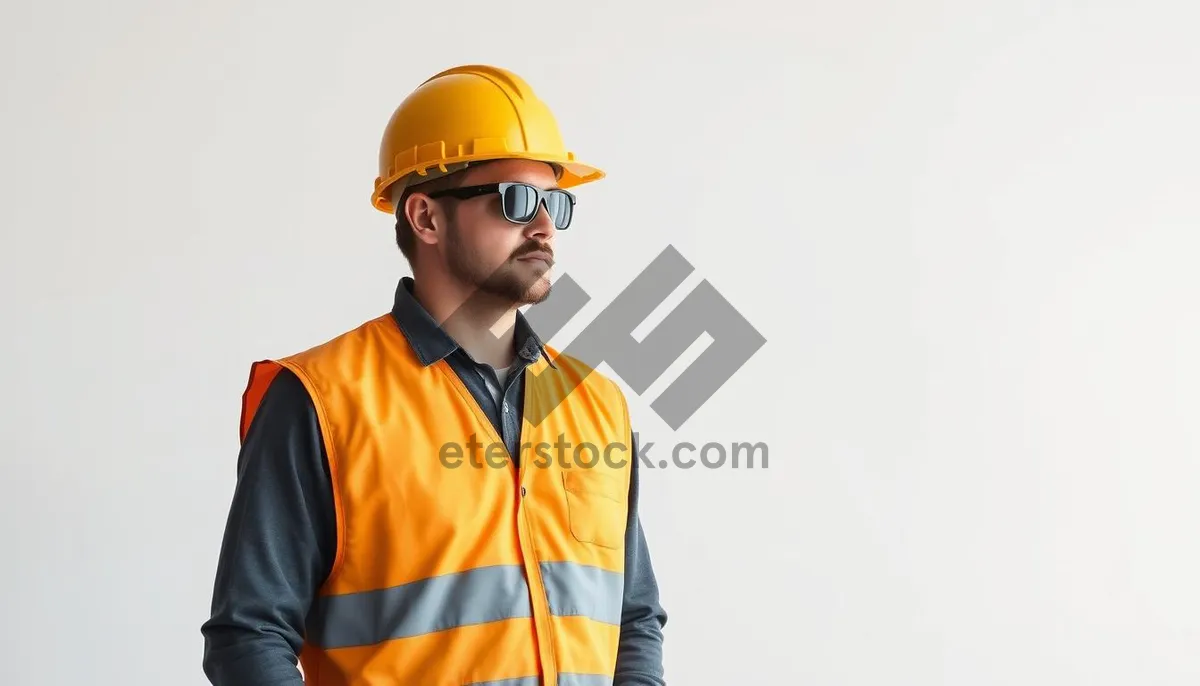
[(430, 341)]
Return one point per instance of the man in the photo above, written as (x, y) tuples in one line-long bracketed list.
[(419, 500)]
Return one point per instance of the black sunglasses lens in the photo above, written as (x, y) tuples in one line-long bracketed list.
[(520, 203), (558, 204)]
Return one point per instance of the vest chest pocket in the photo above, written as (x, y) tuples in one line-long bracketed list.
[(596, 505)]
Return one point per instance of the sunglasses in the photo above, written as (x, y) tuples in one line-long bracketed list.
[(520, 201)]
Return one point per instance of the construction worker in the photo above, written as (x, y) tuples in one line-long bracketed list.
[(394, 521)]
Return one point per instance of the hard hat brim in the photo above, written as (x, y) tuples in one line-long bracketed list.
[(574, 174)]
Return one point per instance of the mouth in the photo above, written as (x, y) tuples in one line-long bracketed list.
[(535, 256)]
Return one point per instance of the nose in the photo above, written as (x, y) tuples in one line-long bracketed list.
[(541, 227)]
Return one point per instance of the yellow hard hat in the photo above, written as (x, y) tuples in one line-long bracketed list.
[(467, 114)]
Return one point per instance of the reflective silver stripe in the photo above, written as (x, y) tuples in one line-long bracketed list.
[(486, 594), (575, 589), (476, 596), (564, 679), (569, 679)]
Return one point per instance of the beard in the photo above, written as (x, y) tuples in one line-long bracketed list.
[(512, 281)]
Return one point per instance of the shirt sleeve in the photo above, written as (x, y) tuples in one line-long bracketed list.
[(278, 546), (639, 652)]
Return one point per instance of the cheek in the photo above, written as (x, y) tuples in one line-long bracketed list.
[(488, 236)]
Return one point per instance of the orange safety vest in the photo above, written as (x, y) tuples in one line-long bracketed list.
[(450, 570)]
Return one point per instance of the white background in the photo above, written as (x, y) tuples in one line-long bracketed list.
[(968, 232)]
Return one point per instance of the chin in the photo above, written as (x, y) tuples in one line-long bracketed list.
[(536, 293)]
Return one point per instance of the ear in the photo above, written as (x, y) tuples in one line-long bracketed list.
[(426, 217)]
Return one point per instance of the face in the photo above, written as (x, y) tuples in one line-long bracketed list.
[(484, 250)]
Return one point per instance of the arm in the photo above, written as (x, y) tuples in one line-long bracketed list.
[(278, 547), (639, 652)]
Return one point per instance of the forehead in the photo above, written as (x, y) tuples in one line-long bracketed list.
[(537, 173)]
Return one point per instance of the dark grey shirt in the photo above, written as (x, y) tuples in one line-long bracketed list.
[(281, 536)]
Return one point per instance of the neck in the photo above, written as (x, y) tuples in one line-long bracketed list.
[(480, 322)]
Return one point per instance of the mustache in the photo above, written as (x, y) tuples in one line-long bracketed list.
[(530, 247)]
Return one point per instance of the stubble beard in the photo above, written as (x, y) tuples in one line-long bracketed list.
[(503, 282)]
